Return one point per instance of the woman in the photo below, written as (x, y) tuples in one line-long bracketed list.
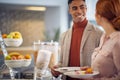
[(105, 58)]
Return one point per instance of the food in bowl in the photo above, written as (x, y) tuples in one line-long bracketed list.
[(13, 39), (12, 35), (15, 60), (17, 56)]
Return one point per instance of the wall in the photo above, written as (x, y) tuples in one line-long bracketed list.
[(62, 4), (91, 9), (29, 23), (52, 21), (35, 2)]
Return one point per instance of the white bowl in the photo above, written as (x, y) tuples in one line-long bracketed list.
[(27, 62), (18, 63), (13, 42)]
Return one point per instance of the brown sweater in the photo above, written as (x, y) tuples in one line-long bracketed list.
[(74, 58)]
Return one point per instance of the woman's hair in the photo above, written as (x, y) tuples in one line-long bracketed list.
[(110, 9), (69, 1)]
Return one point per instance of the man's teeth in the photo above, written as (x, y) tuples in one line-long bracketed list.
[(79, 16)]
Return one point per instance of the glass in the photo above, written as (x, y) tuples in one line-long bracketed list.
[(43, 59), (42, 63), (52, 47)]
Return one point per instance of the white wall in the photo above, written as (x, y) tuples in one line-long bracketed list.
[(33, 2), (52, 20), (91, 9)]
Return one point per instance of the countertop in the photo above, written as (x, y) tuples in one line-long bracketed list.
[(22, 48)]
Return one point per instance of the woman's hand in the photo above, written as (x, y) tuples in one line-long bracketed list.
[(84, 68), (55, 73)]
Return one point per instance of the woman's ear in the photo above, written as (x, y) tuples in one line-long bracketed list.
[(98, 16)]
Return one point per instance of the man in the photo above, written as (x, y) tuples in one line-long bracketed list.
[(78, 43)]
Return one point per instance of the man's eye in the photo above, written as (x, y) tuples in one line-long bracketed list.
[(82, 7), (74, 8)]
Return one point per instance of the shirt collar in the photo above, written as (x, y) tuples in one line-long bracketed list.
[(80, 24)]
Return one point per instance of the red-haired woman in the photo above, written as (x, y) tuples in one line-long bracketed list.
[(106, 57)]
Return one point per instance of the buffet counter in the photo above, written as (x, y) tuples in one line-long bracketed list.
[(26, 72), (29, 71), (22, 50)]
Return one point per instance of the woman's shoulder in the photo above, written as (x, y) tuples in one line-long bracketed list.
[(116, 38), (116, 35)]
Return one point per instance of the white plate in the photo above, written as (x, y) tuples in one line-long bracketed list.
[(67, 69), (73, 74)]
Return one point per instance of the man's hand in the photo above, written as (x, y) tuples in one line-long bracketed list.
[(55, 73)]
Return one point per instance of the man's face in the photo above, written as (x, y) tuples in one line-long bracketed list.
[(78, 9)]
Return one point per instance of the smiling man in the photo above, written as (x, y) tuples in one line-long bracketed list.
[(78, 10), (78, 43)]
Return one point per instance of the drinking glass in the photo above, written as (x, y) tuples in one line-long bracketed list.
[(52, 47), (42, 63)]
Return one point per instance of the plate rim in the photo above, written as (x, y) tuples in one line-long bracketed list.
[(83, 75), (58, 69)]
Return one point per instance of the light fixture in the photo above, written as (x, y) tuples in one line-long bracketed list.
[(35, 8)]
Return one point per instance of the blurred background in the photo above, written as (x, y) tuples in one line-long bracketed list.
[(36, 20), (42, 20)]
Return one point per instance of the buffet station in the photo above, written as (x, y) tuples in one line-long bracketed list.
[(26, 62), (19, 59), (34, 62)]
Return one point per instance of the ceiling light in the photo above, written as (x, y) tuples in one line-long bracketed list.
[(36, 8)]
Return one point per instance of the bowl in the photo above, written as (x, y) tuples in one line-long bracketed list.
[(13, 42), (27, 62), (18, 63)]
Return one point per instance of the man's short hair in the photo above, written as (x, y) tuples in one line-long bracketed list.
[(69, 1)]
